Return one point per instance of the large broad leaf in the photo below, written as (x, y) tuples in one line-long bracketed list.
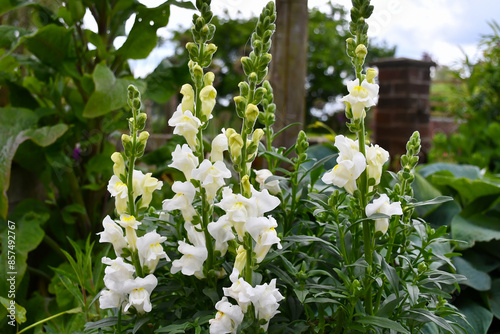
[(424, 191), (16, 126), (459, 171), (165, 81), (6, 5), (28, 235), (476, 278), (475, 229), (494, 297), (53, 45), (110, 93), (479, 318), (469, 190)]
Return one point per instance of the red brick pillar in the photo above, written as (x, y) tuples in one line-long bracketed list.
[(403, 105)]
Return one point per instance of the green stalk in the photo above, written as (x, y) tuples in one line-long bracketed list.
[(75, 310), (131, 164), (204, 222)]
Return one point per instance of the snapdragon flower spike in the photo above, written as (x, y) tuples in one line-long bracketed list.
[(139, 291), (240, 290), (227, 319), (186, 125), (184, 160), (183, 199), (360, 96), (151, 250), (115, 274), (383, 205)]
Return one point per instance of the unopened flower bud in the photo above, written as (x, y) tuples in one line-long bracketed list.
[(119, 164), (361, 51), (207, 97), (136, 103), (371, 73), (350, 45), (241, 259), (187, 102), (133, 92), (251, 113), (257, 136), (126, 142), (143, 137), (245, 184), (229, 132), (235, 144), (211, 48), (241, 103), (141, 121), (198, 71), (209, 78)]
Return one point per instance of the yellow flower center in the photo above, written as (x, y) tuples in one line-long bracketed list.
[(360, 92)]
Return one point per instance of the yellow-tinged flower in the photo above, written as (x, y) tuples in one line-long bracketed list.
[(371, 73), (186, 124), (383, 205), (119, 164), (251, 113), (207, 97), (360, 96), (241, 259), (187, 102)]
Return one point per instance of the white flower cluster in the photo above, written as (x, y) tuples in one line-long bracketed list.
[(351, 164), (265, 299), (123, 285)]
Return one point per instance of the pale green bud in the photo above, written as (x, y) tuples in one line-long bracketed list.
[(257, 136), (143, 137), (141, 121), (133, 92), (245, 184), (229, 132), (187, 102), (198, 71), (235, 145), (207, 97), (209, 78), (241, 259), (119, 164), (361, 51), (371, 73), (251, 113), (211, 48), (127, 142)]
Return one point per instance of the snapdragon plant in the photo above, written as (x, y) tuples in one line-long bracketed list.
[(315, 249)]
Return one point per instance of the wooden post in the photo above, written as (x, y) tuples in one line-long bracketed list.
[(289, 68)]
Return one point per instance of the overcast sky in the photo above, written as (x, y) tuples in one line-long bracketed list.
[(439, 27)]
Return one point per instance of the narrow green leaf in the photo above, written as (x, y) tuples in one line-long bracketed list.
[(383, 322)]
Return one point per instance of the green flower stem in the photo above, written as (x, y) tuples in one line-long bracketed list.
[(248, 265), (72, 311), (131, 164), (137, 263), (205, 207)]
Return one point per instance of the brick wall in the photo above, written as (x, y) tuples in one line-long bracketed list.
[(403, 105)]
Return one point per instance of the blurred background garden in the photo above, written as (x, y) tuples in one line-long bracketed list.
[(65, 67)]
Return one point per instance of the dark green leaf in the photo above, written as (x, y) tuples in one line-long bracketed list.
[(475, 229), (383, 322), (476, 279)]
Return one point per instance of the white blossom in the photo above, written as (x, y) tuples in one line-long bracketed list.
[(227, 319), (266, 300), (376, 157), (211, 176), (191, 262), (219, 145), (183, 199), (119, 191), (222, 232), (261, 177), (111, 299), (114, 234), (139, 291), (240, 290), (184, 160), (262, 230), (150, 250), (116, 273), (186, 124), (383, 205), (361, 97)]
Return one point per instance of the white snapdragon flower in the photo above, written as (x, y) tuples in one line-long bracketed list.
[(186, 124), (139, 291), (350, 165), (383, 205), (119, 164), (361, 97), (183, 199), (114, 234), (117, 272), (148, 185), (265, 201), (376, 157), (130, 224), (261, 177), (195, 236), (222, 232), (150, 250), (240, 290), (241, 259), (211, 176), (119, 191), (266, 300), (187, 102), (262, 230), (227, 319), (184, 160), (238, 209), (219, 145), (191, 262), (111, 299)]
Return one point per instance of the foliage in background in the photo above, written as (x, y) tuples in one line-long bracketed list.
[(61, 103), (475, 104), (473, 218)]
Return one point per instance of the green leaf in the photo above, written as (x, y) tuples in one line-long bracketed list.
[(163, 82), (110, 93), (459, 171), (53, 45), (19, 311), (382, 322), (476, 279), (475, 229), (494, 297), (478, 317), (424, 315), (28, 235), (142, 38), (469, 190)]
